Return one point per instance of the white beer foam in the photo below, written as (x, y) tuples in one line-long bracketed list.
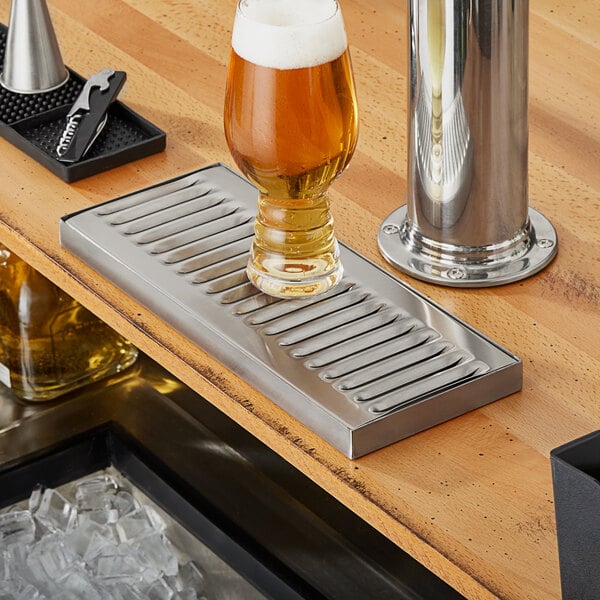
[(289, 34)]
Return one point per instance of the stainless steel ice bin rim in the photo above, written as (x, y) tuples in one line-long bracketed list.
[(364, 365), (271, 524)]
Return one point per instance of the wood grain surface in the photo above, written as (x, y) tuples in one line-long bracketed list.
[(471, 499)]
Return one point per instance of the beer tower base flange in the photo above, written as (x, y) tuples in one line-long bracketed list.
[(457, 267)]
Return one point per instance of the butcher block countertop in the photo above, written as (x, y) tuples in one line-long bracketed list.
[(471, 499)]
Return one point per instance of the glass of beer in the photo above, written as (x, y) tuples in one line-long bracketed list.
[(291, 123)]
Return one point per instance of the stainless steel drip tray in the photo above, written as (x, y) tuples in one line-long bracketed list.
[(366, 364)]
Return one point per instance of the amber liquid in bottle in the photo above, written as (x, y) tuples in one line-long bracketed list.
[(49, 343)]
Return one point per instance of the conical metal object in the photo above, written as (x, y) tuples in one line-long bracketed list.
[(32, 59)]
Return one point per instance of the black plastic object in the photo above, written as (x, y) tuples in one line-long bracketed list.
[(34, 123), (88, 115), (271, 524), (576, 480)]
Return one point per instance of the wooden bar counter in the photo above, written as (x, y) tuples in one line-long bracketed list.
[(471, 499)]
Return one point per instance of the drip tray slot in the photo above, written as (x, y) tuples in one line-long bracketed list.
[(368, 363)]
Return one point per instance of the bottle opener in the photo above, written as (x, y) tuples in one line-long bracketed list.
[(88, 115)]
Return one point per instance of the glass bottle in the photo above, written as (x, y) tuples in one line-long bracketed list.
[(49, 343)]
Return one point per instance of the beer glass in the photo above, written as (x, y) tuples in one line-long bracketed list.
[(291, 124)]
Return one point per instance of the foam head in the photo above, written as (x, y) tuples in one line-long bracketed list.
[(289, 34)]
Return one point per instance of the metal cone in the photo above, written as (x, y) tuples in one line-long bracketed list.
[(32, 59)]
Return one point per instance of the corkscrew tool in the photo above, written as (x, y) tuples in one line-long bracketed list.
[(88, 115)]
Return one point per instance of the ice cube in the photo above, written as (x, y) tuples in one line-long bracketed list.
[(4, 566), (29, 592), (103, 545), (6, 590), (124, 591), (9, 590), (157, 553), (78, 540), (95, 492), (119, 568), (78, 581), (99, 545), (55, 511), (35, 498), (66, 595), (49, 558), (125, 503), (17, 561), (140, 523), (160, 590), (190, 576), (16, 527), (101, 516), (186, 595)]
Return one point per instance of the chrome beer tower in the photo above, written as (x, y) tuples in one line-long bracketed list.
[(466, 221)]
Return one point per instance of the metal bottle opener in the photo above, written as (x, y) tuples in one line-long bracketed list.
[(88, 115)]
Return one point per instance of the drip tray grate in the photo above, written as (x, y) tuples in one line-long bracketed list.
[(368, 363)]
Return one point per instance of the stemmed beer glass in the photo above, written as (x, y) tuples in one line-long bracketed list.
[(291, 123)]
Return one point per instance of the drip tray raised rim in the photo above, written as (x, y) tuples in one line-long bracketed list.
[(366, 364)]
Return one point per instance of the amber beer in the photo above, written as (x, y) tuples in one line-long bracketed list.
[(291, 124)]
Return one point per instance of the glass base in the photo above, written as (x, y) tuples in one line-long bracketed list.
[(281, 284)]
